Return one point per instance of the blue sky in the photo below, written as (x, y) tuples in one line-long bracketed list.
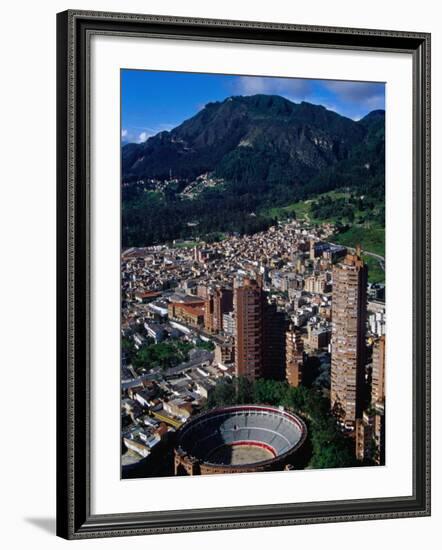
[(153, 101)]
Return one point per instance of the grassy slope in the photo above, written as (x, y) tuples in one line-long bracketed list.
[(302, 209), (371, 238), (185, 244), (375, 273)]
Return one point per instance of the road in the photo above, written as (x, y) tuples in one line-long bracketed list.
[(378, 257), (197, 358)]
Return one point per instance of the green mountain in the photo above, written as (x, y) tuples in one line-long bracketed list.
[(265, 149), (228, 136)]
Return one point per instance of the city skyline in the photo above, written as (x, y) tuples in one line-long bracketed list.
[(242, 349)]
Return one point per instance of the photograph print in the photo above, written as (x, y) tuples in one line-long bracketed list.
[(253, 322)]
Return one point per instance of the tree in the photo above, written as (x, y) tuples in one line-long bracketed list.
[(223, 394), (164, 355), (207, 345), (127, 349), (244, 390)]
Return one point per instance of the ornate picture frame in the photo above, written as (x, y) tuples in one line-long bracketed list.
[(74, 517)]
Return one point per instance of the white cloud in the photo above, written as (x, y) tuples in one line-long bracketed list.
[(143, 136), (369, 94), (134, 135), (252, 85), (296, 88), (165, 127), (348, 98)]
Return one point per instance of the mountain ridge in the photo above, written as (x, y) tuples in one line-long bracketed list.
[(303, 136), (255, 152)]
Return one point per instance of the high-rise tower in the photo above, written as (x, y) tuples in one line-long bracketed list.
[(378, 374), (219, 301), (294, 357), (259, 333), (248, 305), (273, 342), (349, 313)]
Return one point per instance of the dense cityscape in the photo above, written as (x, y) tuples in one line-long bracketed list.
[(283, 317), (252, 274)]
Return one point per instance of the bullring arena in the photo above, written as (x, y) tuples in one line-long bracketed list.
[(237, 439)]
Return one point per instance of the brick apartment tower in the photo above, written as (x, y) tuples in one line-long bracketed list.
[(378, 374), (370, 437), (208, 311), (259, 333), (248, 305), (218, 302), (223, 303), (349, 313), (294, 347)]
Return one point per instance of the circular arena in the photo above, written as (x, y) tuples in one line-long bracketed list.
[(241, 438)]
